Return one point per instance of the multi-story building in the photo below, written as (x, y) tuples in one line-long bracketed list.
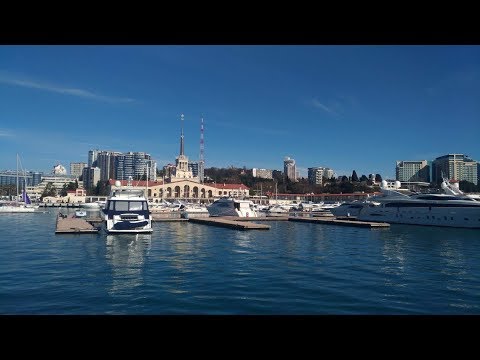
[(316, 175), (76, 169), (289, 169), (470, 171), (91, 176), (412, 171), (262, 173), (92, 157), (106, 162), (136, 165), (455, 167), (31, 178), (168, 171), (194, 168)]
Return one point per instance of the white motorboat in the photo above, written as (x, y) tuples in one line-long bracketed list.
[(348, 209), (453, 209), (126, 211), (226, 206), (80, 213), (91, 205)]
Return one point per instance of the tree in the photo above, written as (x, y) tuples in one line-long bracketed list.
[(467, 186), (354, 176), (378, 178), (50, 190), (363, 178)]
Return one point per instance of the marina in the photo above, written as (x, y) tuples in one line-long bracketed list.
[(239, 180), (184, 268)]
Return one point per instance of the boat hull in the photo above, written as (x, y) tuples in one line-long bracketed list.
[(427, 216)]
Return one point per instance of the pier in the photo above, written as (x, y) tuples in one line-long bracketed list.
[(232, 224), (357, 223), (73, 225), (87, 225)]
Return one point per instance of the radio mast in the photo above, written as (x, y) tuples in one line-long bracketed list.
[(201, 162)]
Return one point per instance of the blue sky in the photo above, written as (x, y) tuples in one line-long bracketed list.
[(344, 107)]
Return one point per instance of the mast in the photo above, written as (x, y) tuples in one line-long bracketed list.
[(261, 190), (201, 165), (16, 197), (146, 185)]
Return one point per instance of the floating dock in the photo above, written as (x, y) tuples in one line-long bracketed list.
[(357, 223), (232, 224), (73, 225)]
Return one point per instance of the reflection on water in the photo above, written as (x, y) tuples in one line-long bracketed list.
[(185, 268), (126, 255)]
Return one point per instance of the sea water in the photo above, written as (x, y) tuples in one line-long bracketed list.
[(186, 268)]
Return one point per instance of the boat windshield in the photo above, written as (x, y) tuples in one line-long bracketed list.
[(127, 205)]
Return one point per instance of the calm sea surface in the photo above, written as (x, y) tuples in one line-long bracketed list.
[(185, 268)]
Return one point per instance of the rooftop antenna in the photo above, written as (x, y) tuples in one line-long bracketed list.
[(201, 165)]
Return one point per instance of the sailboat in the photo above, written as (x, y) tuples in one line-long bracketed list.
[(24, 206)]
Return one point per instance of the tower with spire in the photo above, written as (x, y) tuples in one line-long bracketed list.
[(181, 169)]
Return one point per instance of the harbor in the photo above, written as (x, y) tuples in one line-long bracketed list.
[(184, 267), (239, 180), (240, 223)]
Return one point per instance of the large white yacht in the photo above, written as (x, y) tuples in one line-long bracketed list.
[(348, 209), (226, 206), (126, 211), (453, 208)]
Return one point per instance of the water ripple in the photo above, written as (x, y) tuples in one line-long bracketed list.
[(184, 268)]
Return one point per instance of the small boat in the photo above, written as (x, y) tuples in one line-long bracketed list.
[(80, 213)]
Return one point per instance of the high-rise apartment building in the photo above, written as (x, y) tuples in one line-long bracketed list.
[(194, 168), (316, 175), (455, 167), (76, 169), (136, 165), (91, 176), (412, 171), (289, 169), (92, 157)]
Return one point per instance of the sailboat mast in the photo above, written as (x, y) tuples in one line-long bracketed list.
[(146, 184), (16, 197)]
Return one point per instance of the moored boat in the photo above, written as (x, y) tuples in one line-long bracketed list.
[(226, 206), (452, 209), (126, 211)]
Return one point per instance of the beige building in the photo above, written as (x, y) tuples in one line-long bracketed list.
[(186, 189)]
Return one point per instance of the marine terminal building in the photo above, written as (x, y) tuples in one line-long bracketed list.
[(180, 183)]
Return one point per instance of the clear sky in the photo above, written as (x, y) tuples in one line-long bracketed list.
[(344, 107)]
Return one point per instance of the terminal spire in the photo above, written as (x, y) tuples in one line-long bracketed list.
[(181, 136)]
